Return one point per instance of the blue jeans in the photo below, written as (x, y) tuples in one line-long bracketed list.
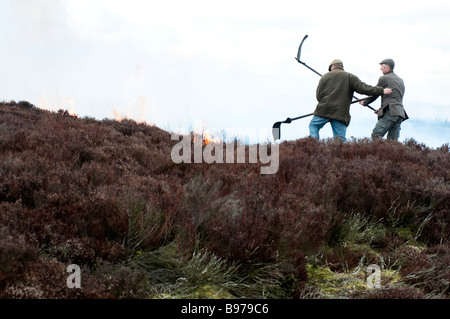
[(317, 122)]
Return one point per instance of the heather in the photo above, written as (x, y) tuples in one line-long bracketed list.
[(106, 195)]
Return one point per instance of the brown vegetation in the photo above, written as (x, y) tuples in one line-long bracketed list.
[(106, 195)]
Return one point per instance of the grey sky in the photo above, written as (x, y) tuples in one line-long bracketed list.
[(181, 64)]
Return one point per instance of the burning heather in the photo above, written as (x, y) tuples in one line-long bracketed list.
[(209, 138), (193, 149), (100, 209)]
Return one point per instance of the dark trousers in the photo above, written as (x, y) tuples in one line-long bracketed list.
[(388, 124)]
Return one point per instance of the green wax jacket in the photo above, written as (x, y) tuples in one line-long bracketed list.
[(335, 91)]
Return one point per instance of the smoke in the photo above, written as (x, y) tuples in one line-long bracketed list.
[(56, 102), (136, 102), (39, 18)]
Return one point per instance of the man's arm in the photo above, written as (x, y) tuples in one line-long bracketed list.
[(386, 91), (370, 100)]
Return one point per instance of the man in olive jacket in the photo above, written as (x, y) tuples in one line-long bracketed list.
[(391, 114), (334, 94)]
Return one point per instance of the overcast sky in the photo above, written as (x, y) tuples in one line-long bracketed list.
[(224, 65)]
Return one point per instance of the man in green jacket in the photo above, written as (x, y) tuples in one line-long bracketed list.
[(391, 114), (334, 94)]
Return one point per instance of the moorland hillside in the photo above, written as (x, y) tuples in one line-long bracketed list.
[(107, 196)]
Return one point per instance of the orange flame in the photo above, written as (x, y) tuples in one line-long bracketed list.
[(52, 104), (208, 138), (201, 133), (136, 110), (117, 116)]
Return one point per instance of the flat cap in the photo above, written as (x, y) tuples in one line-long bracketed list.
[(389, 62), (335, 61)]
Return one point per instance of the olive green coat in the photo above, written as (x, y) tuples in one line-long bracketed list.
[(335, 91)]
